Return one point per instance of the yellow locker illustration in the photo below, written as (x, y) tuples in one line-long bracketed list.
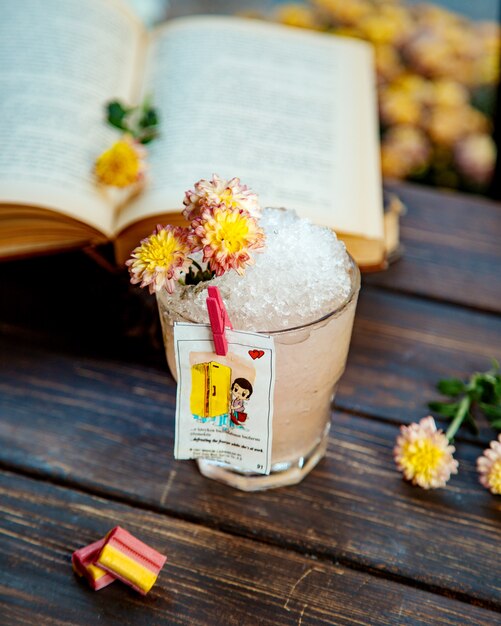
[(210, 389)]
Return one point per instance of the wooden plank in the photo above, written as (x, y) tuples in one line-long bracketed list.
[(402, 346), (452, 249), (210, 577), (108, 427), (86, 308)]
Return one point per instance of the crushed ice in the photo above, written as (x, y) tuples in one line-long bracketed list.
[(302, 274)]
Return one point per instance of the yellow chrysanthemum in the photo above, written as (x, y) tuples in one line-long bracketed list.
[(343, 12), (226, 238), (489, 467), (122, 164), (160, 258), (424, 456), (475, 158), (388, 62), (448, 92), (387, 25), (447, 125), (404, 150), (298, 15), (398, 107), (220, 192)]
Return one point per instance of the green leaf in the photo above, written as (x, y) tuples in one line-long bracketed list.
[(447, 409), (196, 274), (491, 410), (451, 386), (496, 424), (149, 118), (486, 388), (116, 114), (497, 389)]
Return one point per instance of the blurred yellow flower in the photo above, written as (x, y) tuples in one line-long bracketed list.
[(122, 164), (387, 24), (404, 150), (447, 124), (299, 15), (433, 15), (487, 70), (397, 106), (392, 166), (347, 31), (429, 63), (416, 87), (449, 93), (475, 158), (345, 12), (388, 63), (428, 54), (377, 29)]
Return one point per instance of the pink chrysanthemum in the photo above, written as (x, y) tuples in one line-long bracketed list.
[(423, 454), (220, 192), (226, 238), (160, 258), (489, 467)]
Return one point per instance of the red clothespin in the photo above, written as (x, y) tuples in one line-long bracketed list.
[(219, 320)]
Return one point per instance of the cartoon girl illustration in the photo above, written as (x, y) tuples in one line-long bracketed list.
[(241, 391)]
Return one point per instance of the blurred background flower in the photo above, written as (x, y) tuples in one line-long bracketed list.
[(437, 74)]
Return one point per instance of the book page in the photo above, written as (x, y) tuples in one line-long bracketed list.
[(285, 110), (60, 61)]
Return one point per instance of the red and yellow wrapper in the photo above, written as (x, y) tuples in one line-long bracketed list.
[(82, 561), (130, 560)]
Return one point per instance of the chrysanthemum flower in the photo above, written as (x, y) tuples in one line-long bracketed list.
[(160, 258), (475, 157), (404, 149), (424, 455), (121, 165), (397, 106), (489, 467), (342, 12), (298, 15), (226, 238), (389, 24), (220, 192)]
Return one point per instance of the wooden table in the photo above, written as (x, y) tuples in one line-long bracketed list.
[(86, 437)]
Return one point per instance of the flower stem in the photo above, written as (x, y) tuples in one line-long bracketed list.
[(196, 265), (462, 412)]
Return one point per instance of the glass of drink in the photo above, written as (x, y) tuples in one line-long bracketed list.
[(309, 311)]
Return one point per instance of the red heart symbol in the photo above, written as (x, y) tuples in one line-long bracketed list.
[(256, 354)]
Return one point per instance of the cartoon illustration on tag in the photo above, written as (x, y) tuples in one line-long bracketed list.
[(220, 389), (241, 391)]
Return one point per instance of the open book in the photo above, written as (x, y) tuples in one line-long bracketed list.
[(291, 112)]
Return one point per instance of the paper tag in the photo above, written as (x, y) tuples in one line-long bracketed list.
[(224, 408)]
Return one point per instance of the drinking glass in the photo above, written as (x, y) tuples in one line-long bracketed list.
[(310, 360)]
